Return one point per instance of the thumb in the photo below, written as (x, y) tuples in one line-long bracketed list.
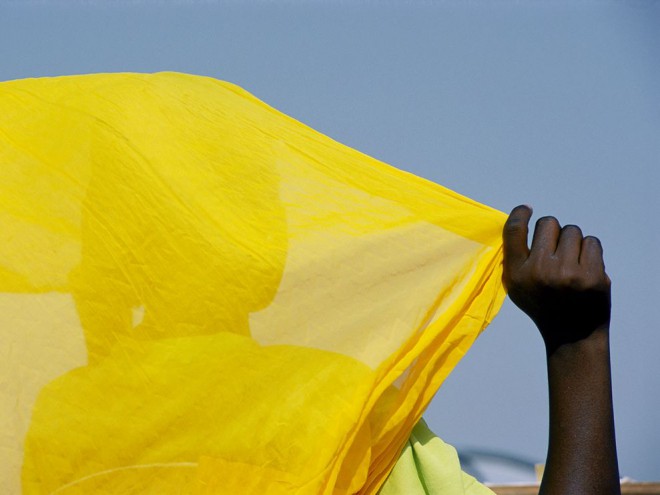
[(514, 236)]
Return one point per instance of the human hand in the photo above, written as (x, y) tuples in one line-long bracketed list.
[(560, 282)]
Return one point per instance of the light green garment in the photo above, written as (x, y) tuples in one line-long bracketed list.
[(429, 466)]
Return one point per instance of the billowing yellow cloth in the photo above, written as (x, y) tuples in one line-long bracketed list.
[(201, 295)]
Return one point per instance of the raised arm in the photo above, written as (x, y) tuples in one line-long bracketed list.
[(561, 284)]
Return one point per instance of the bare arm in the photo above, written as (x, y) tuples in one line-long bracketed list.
[(560, 282)]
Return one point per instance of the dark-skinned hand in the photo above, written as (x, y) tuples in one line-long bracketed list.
[(560, 282)]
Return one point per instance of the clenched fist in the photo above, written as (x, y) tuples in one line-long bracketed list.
[(560, 282)]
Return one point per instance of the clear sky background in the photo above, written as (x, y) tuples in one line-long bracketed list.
[(547, 103)]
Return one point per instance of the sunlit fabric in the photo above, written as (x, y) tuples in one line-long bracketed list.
[(201, 295), (428, 466)]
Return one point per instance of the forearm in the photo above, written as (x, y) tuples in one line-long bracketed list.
[(582, 451)]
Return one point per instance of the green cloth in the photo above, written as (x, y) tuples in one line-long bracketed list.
[(429, 466)]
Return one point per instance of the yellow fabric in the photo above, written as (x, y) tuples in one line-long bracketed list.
[(428, 466), (201, 295)]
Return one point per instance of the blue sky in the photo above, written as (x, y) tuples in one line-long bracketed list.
[(548, 103)]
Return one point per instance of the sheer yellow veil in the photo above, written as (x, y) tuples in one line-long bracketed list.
[(201, 295)]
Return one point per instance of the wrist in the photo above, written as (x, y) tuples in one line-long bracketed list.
[(594, 346)]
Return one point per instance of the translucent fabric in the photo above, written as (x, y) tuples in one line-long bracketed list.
[(201, 295)]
